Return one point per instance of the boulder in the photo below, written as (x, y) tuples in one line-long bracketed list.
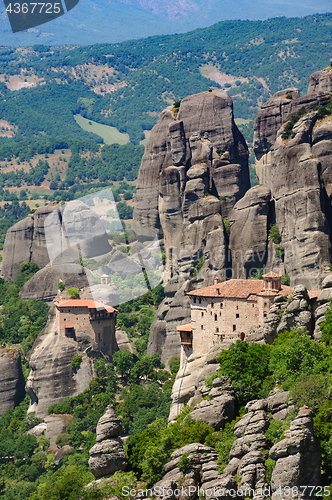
[(107, 455), (219, 408), (108, 425)]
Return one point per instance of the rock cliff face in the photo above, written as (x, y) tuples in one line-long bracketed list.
[(57, 235), (194, 169), (295, 188), (25, 242), (107, 455), (11, 379)]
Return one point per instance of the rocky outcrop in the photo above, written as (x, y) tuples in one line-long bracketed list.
[(288, 311), (11, 379), (189, 386), (51, 427), (52, 378), (218, 407), (25, 242), (44, 284), (200, 470), (123, 342), (107, 455), (297, 456)]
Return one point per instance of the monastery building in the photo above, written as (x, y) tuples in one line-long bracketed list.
[(229, 310), (86, 317)]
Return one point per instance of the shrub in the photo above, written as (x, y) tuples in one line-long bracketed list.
[(76, 362), (288, 130), (248, 368), (227, 225), (174, 364), (61, 439), (285, 280), (280, 252), (73, 292), (269, 466), (199, 266), (326, 327), (274, 234), (185, 462)]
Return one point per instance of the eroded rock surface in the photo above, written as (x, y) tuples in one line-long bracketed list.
[(11, 379), (297, 456), (295, 310), (194, 169)]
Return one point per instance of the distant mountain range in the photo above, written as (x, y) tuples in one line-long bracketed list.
[(111, 21)]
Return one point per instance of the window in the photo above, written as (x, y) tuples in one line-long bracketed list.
[(237, 308), (199, 300), (221, 305), (265, 314), (201, 327), (194, 300), (234, 328), (212, 305), (237, 315), (202, 314), (64, 319), (217, 330), (265, 304), (215, 317), (253, 305)]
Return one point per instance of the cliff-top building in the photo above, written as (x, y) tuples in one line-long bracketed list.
[(229, 310), (86, 317)]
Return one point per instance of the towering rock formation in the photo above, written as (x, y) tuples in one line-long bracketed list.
[(195, 168), (293, 164)]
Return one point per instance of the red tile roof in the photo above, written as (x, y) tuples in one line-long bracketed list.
[(240, 289), (90, 304), (184, 328), (69, 326), (271, 274), (313, 294)]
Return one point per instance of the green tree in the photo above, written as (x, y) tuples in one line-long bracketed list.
[(73, 292), (124, 362), (248, 368)]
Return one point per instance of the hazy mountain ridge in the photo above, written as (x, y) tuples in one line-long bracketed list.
[(109, 21)]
